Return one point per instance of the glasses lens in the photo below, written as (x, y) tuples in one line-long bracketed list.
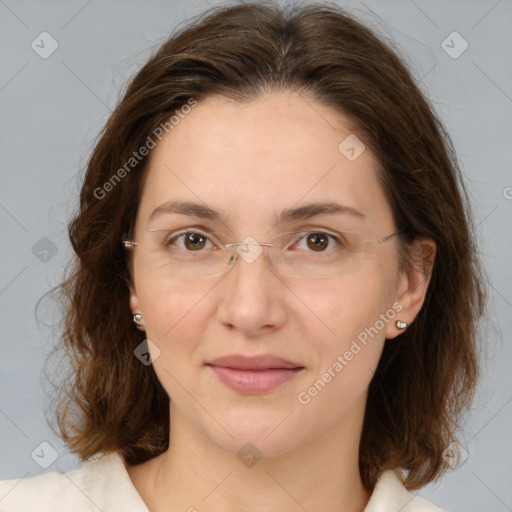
[(183, 255), (318, 254)]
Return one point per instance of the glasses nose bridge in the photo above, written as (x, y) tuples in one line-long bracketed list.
[(249, 258)]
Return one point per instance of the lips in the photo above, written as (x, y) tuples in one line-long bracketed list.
[(254, 375), (261, 362)]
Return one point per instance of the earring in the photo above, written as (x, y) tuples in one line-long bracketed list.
[(137, 318), (400, 324)]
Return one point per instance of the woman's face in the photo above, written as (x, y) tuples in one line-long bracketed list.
[(249, 163)]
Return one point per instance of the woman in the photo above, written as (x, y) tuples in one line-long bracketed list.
[(276, 292)]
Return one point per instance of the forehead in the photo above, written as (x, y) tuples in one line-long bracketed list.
[(254, 159)]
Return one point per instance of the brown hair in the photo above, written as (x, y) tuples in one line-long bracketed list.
[(426, 377)]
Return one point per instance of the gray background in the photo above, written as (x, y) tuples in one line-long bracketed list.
[(53, 108)]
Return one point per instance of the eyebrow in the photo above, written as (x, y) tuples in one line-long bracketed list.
[(288, 215)]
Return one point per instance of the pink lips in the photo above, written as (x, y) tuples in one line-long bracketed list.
[(252, 375)]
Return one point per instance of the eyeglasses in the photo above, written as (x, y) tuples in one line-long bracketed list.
[(160, 254)]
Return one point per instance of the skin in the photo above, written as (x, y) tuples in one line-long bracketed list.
[(251, 161)]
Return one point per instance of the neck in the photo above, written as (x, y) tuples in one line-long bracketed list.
[(196, 474)]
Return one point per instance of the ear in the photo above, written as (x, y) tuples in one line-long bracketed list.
[(412, 286), (134, 300), (134, 305)]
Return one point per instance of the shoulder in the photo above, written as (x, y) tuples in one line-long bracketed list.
[(102, 483), (390, 494)]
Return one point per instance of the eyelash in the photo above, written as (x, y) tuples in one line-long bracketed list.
[(170, 240)]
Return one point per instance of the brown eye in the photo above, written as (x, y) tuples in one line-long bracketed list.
[(194, 241), (318, 241), (190, 241)]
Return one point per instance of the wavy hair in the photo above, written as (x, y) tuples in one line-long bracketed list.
[(425, 381)]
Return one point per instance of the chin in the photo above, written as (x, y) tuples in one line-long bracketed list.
[(270, 433)]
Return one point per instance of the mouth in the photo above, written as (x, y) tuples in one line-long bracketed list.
[(253, 375)]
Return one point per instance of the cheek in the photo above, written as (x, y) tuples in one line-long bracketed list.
[(353, 313), (172, 309), (347, 354), (173, 318), (350, 304)]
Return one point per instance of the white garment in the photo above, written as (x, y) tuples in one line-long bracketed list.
[(103, 484)]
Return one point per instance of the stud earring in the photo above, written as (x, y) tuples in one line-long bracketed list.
[(137, 318), (400, 324)]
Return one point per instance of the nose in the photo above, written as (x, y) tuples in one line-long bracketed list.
[(253, 294)]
